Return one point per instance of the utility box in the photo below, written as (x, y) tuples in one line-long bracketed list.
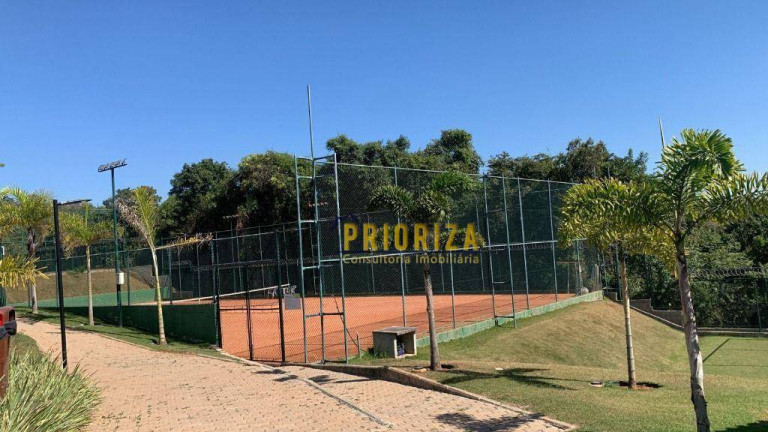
[(395, 342)]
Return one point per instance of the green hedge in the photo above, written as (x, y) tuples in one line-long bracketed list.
[(191, 323)]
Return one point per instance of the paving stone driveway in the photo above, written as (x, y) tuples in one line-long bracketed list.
[(145, 390)]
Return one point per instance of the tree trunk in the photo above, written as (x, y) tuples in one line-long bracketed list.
[(434, 352), (31, 250), (695, 361), (159, 298), (627, 324), (90, 284)]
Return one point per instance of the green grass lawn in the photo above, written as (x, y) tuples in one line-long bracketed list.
[(127, 334), (549, 361)]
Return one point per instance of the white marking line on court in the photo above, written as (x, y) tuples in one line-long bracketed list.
[(317, 386)]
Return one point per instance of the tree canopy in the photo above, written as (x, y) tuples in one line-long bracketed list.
[(582, 160)]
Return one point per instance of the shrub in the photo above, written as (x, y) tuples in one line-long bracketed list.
[(43, 397)]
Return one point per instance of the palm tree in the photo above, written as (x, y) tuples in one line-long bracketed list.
[(79, 233), (431, 204), (32, 212), (697, 181), (16, 272), (600, 211), (142, 212)]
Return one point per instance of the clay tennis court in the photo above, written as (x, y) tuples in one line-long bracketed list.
[(364, 315)]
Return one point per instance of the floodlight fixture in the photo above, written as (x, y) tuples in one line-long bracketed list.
[(112, 165)]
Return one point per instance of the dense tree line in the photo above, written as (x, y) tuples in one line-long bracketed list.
[(582, 159)]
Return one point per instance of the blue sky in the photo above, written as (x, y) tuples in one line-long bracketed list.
[(168, 82)]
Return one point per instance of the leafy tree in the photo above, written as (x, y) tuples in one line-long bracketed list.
[(429, 205), (752, 235), (455, 149), (122, 194), (540, 166), (263, 188), (195, 193), (393, 153), (600, 212), (583, 159), (698, 180), (78, 232), (32, 212), (142, 212)]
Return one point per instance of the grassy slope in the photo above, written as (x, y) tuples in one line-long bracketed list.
[(75, 284), (550, 359)]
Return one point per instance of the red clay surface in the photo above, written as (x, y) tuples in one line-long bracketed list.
[(364, 315)]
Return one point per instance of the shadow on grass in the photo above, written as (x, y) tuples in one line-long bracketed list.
[(760, 426), (518, 375), (467, 422)]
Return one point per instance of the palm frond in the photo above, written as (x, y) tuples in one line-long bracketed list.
[(16, 272), (606, 212), (141, 212), (451, 182), (736, 198), (187, 241), (397, 200)]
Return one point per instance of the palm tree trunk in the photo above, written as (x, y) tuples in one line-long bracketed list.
[(627, 324), (31, 250), (434, 352), (159, 297), (90, 284), (695, 361)]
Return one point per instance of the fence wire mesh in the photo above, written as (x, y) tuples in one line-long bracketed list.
[(288, 292)]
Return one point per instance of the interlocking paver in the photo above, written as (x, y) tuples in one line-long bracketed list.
[(414, 409), (146, 390)]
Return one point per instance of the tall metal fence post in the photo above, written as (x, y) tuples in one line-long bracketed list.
[(197, 267), (170, 276), (280, 294), (509, 250), (453, 292), (248, 324), (578, 267), (341, 261), (402, 270), (181, 283), (488, 248), (321, 279), (480, 254), (127, 255), (261, 258), (301, 257), (214, 265), (525, 252), (757, 300), (552, 233)]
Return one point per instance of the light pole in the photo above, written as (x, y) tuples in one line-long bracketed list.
[(59, 282), (118, 282)]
